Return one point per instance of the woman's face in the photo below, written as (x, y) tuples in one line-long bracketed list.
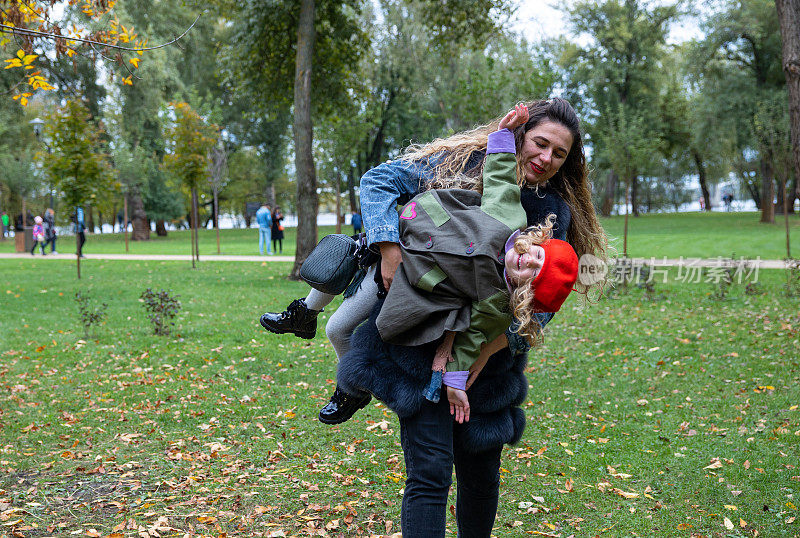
[(544, 149)]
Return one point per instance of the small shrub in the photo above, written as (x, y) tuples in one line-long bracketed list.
[(722, 282), (620, 274), (90, 313), (792, 285), (647, 283), (625, 272), (754, 288), (161, 308)]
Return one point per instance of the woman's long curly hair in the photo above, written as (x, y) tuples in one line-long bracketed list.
[(521, 300), (453, 167)]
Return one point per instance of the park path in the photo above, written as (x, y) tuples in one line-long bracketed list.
[(653, 262), (152, 257)]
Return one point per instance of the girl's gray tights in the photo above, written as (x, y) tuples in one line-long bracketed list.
[(352, 312)]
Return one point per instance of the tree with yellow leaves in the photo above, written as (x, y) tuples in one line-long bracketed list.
[(190, 141), (37, 25)]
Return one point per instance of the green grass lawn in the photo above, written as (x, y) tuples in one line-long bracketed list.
[(700, 235), (704, 235), (667, 417)]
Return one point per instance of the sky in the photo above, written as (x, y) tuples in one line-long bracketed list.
[(540, 18)]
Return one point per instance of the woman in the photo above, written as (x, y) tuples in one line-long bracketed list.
[(552, 173), (50, 229), (277, 231)]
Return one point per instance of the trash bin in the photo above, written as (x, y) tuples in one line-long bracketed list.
[(23, 241)]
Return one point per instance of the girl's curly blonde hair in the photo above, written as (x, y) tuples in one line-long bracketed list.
[(521, 300), (454, 165)]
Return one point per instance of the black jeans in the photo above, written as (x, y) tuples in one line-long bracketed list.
[(81, 241), (431, 446)]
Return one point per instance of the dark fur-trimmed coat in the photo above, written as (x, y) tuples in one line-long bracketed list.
[(397, 375)]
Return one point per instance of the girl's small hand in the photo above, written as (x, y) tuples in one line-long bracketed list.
[(516, 117), (459, 404), (444, 353)]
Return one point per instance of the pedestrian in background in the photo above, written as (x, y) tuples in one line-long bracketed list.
[(264, 220), (4, 221), (50, 230), (277, 230), (356, 222), (38, 234), (80, 230)]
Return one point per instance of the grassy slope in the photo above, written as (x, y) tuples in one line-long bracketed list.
[(214, 427), (705, 235)]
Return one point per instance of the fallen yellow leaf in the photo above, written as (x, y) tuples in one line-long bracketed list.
[(626, 494)]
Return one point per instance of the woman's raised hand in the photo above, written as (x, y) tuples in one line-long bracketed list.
[(516, 117)]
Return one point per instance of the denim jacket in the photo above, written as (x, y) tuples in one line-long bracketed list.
[(396, 182)]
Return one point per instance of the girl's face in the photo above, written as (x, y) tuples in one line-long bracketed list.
[(544, 149), (522, 268)]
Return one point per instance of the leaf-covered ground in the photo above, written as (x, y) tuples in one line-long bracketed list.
[(670, 417)]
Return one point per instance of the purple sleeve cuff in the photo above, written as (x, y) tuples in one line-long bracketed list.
[(457, 380), (501, 141)]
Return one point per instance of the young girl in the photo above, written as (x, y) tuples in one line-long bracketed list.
[(38, 234)]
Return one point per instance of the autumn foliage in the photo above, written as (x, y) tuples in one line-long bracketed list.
[(39, 25)]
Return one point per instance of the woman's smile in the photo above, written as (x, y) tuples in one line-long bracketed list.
[(537, 169)]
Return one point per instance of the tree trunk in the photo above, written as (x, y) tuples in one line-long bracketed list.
[(351, 190), (634, 183), (141, 228), (701, 177), (125, 220), (247, 217), (89, 219), (216, 215), (77, 256), (625, 227), (780, 195), (307, 202), (195, 225), (161, 228), (338, 206), (192, 228), (786, 213), (749, 184), (789, 17), (609, 195), (767, 191)]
